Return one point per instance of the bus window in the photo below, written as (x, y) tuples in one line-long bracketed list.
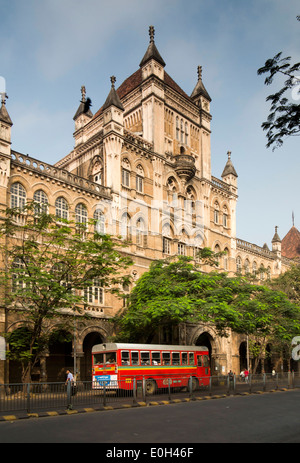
[(199, 361), (156, 360), (205, 361), (166, 358), (125, 357), (175, 358), (134, 358), (191, 358), (145, 358), (111, 357), (98, 359), (184, 358)]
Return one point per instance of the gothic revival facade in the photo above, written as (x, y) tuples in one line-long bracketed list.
[(141, 165)]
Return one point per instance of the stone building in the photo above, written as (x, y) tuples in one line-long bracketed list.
[(141, 165)]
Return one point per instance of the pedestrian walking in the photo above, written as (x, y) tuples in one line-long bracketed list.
[(70, 379)]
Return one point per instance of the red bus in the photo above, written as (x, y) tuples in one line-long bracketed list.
[(116, 366)]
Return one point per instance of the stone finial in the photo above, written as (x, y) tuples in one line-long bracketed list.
[(229, 155), (4, 97), (151, 33), (199, 72), (83, 93), (113, 81)]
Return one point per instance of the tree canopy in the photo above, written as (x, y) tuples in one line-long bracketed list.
[(50, 268), (174, 292)]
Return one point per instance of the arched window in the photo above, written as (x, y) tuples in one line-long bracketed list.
[(17, 195), (140, 179), (81, 217), (17, 275), (225, 217), (238, 265), (126, 173), (125, 227), (94, 294), (141, 233), (247, 266), (41, 202), (226, 258), (166, 238), (216, 212), (99, 221), (61, 208), (186, 133), (177, 128)]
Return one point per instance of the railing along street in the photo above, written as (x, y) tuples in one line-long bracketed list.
[(34, 397)]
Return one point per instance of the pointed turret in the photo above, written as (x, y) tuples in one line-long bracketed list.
[(276, 248), (229, 168), (113, 129), (152, 63), (84, 107), (5, 149), (276, 238), (152, 52), (5, 127), (200, 90), (113, 98)]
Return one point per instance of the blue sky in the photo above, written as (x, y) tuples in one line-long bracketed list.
[(49, 48)]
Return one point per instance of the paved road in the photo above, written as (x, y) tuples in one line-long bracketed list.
[(271, 417)]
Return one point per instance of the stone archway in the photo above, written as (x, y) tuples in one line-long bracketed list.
[(90, 340), (59, 356), (206, 336)]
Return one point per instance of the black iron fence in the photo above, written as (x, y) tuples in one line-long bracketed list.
[(34, 397)]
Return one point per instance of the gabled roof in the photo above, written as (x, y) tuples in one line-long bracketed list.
[(290, 245)]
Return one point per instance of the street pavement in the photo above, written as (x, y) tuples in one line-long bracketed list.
[(258, 418)]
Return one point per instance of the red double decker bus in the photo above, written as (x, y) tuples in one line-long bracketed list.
[(116, 366)]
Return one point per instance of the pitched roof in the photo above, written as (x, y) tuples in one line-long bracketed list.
[(133, 81), (290, 245)]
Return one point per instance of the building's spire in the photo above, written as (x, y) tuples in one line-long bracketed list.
[(113, 98), (152, 52), (229, 168), (200, 89), (276, 238), (85, 104), (4, 116)]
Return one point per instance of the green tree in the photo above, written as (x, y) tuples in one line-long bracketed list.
[(284, 117), (289, 282), (177, 292), (49, 268)]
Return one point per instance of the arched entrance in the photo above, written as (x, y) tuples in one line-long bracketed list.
[(89, 342), (243, 356), (60, 356), (206, 340), (19, 341)]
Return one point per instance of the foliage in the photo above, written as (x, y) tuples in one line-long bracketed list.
[(289, 282), (284, 118), (177, 292), (49, 265)]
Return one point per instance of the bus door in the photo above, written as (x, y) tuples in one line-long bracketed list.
[(202, 362)]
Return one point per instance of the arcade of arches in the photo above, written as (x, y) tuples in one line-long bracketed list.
[(61, 354)]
